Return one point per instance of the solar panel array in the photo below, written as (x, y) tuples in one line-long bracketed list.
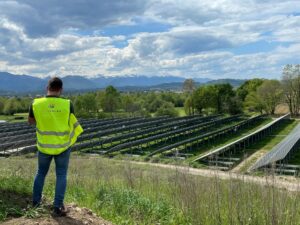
[(22, 138), (228, 147), (280, 151)]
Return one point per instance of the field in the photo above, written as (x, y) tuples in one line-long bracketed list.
[(126, 193), (112, 171), (17, 117)]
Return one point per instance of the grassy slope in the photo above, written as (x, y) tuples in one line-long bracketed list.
[(137, 194), (266, 144)]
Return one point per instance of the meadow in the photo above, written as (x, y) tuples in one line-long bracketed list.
[(126, 193)]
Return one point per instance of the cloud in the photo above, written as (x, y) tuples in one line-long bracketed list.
[(198, 39), (48, 18)]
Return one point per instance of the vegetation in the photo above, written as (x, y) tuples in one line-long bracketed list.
[(255, 95), (291, 87), (126, 193)]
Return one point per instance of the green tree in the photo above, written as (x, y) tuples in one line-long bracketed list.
[(167, 109), (254, 103), (204, 98), (189, 105), (89, 103), (189, 87), (291, 87), (12, 105), (130, 104), (223, 94), (271, 94), (248, 87), (2, 103), (111, 100), (234, 106)]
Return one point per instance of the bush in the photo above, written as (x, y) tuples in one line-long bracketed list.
[(167, 109)]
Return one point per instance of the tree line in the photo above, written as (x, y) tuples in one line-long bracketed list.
[(255, 95)]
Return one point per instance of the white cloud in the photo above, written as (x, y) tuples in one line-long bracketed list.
[(64, 37)]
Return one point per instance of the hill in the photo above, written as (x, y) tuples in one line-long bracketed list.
[(24, 84)]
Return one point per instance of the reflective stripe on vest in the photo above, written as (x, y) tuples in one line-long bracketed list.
[(56, 128), (67, 144)]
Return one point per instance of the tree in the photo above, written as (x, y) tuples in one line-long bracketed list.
[(270, 93), (131, 105), (189, 86), (203, 98), (234, 106), (111, 100), (167, 109), (11, 106), (2, 101), (89, 103), (189, 105), (291, 87), (223, 94), (254, 103), (248, 87)]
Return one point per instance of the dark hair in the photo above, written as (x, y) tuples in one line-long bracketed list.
[(55, 84)]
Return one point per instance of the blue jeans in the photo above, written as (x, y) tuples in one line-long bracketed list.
[(61, 168)]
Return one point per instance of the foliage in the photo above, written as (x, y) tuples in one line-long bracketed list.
[(111, 100), (291, 87), (189, 86), (166, 109), (270, 94), (248, 87), (266, 97), (14, 105), (219, 97), (254, 103)]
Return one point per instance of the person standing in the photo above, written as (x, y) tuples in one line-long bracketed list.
[(57, 130)]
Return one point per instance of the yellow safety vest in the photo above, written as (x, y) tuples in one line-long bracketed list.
[(56, 128)]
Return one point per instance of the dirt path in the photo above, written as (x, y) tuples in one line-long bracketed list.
[(76, 216), (286, 183)]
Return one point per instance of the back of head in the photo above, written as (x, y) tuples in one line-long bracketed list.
[(55, 84)]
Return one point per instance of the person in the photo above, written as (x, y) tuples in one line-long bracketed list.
[(57, 129)]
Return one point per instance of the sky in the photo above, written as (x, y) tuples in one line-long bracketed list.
[(239, 39)]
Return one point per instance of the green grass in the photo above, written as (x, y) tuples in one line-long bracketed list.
[(230, 138), (12, 118), (126, 193), (181, 111), (266, 144)]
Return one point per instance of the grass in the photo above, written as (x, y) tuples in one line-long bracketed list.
[(127, 193), (12, 118), (230, 138), (266, 144), (181, 111)]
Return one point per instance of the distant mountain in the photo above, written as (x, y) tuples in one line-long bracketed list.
[(78, 83), (19, 83), (140, 81), (22, 84)]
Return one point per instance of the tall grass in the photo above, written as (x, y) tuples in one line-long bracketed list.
[(127, 193)]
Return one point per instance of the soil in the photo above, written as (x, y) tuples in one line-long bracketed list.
[(76, 216)]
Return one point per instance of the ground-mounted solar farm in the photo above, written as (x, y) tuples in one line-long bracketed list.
[(215, 142)]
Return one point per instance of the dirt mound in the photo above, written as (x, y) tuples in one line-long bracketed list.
[(76, 216)]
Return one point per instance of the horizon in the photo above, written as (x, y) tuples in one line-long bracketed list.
[(222, 40)]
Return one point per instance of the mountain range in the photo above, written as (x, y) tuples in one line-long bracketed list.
[(21, 84)]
